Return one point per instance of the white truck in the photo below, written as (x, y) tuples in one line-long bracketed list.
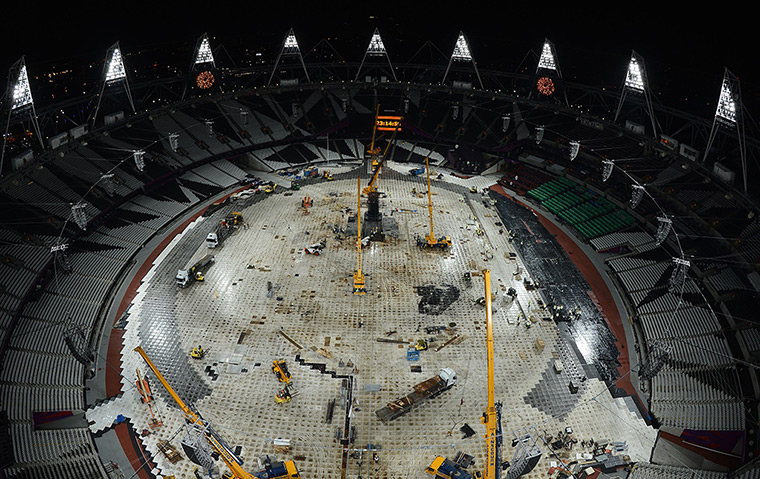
[(194, 273)]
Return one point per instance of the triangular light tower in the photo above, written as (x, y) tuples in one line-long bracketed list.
[(636, 83), (462, 53), (548, 76), (729, 115), (376, 49), (19, 94), (203, 71), (114, 74), (289, 49), (203, 54)]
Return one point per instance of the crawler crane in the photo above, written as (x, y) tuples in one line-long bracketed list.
[(444, 468), (373, 196), (276, 470), (430, 240), (359, 287)]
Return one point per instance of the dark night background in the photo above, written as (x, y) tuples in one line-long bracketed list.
[(685, 48)]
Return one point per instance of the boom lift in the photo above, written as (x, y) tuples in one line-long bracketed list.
[(446, 468), (430, 240), (275, 470)]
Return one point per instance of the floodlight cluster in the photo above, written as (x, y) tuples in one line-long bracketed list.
[(726, 103), (547, 58), (607, 171), (376, 44), (116, 70), (634, 80), (291, 45), (80, 216), (636, 195), (174, 142), (575, 147), (663, 229), (678, 277), (204, 53), (22, 93), (139, 159), (461, 50)]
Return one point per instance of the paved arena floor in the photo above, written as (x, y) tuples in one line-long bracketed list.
[(265, 299)]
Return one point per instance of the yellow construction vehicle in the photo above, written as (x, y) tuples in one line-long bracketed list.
[(280, 369), (198, 352), (275, 470), (359, 286), (421, 345), (283, 396), (457, 469), (326, 175), (430, 240), (270, 188)]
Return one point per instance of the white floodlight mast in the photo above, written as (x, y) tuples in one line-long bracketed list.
[(376, 47), (20, 94), (728, 114), (290, 48), (462, 53), (114, 72), (636, 81)]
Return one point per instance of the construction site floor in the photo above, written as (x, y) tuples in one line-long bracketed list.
[(264, 298)]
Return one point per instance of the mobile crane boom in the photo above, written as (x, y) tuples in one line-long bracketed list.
[(490, 416), (234, 463), (456, 469), (430, 240)]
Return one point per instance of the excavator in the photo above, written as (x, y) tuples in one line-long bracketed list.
[(430, 240), (274, 470), (444, 468)]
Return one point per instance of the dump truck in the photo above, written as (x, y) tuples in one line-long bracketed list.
[(194, 273), (423, 391), (224, 229)]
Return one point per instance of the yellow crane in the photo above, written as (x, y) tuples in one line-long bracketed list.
[(444, 468), (359, 286), (378, 160), (430, 240), (277, 470)]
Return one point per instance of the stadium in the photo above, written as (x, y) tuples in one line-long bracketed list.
[(572, 271)]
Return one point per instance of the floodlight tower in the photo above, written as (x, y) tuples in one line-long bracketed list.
[(636, 82), (289, 49), (114, 73), (202, 71), (21, 103), (729, 115), (376, 48), (462, 53), (548, 69)]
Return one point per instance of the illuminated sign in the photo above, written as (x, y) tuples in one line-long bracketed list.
[(388, 123)]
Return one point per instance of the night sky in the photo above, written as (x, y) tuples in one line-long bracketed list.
[(685, 51)]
